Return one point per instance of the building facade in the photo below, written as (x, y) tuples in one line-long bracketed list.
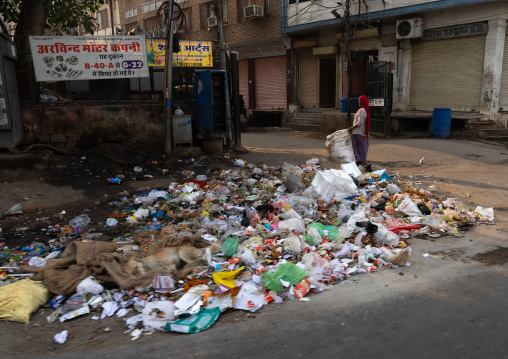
[(448, 53), (251, 28)]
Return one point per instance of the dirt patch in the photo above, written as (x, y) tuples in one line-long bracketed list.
[(455, 254), (497, 256)]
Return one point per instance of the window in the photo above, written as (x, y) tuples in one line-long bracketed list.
[(208, 10), (131, 12), (186, 23), (151, 6), (103, 19)]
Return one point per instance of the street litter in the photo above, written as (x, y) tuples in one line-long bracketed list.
[(240, 238)]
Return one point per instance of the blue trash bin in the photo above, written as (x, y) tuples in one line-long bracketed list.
[(441, 123), (354, 104), (343, 105)]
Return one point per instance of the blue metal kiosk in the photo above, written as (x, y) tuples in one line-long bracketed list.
[(210, 106)]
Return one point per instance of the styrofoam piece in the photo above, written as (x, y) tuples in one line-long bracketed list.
[(351, 168)]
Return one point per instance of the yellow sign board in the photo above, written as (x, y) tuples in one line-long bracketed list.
[(192, 53)]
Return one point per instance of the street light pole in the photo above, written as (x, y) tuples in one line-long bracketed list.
[(220, 13), (169, 80), (348, 36)]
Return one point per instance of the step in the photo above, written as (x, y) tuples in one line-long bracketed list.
[(311, 110), (309, 114), (478, 125), (303, 127), (305, 120), (488, 132)]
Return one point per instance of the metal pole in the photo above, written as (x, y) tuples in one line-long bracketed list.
[(169, 79), (237, 127), (349, 66), (224, 67)]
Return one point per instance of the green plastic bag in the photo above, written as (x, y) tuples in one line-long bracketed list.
[(333, 233), (320, 227), (287, 272), (202, 320), (230, 246)]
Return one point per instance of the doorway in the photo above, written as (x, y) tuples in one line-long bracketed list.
[(327, 82), (359, 60)]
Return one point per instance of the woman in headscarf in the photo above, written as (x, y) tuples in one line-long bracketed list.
[(360, 131)]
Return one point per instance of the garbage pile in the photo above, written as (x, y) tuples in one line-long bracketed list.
[(240, 238)]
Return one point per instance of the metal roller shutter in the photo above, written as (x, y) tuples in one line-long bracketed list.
[(308, 79), (243, 69), (270, 77), (503, 92), (448, 73)]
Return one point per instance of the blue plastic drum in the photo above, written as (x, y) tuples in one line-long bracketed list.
[(441, 122)]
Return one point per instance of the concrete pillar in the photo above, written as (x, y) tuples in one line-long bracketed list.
[(493, 66), (402, 76)]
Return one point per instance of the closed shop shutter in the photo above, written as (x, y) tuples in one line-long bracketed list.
[(503, 92), (308, 79), (270, 77), (447, 73), (243, 69)]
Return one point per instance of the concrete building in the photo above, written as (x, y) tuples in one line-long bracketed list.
[(448, 53)]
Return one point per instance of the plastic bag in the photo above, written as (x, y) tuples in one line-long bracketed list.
[(20, 299), (293, 183), (409, 208), (226, 278), (287, 272), (157, 314), (485, 213), (315, 237), (89, 285), (80, 221), (196, 322), (293, 245), (292, 224), (339, 146), (229, 246)]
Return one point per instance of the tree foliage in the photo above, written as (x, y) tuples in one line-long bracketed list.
[(63, 14)]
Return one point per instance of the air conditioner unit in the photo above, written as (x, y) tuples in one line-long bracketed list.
[(409, 28), (211, 21), (253, 11)]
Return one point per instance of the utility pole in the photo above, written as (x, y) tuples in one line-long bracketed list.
[(220, 13), (169, 80), (348, 32)]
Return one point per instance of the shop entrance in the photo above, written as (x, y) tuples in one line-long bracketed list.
[(327, 82)]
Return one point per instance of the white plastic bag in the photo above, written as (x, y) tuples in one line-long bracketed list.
[(157, 314), (339, 146), (409, 208), (292, 224), (89, 285), (485, 213)]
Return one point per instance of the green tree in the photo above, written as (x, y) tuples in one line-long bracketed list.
[(45, 17), (39, 17)]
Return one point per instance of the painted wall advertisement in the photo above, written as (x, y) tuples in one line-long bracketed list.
[(193, 53), (63, 58)]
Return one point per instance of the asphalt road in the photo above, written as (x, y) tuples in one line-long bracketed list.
[(451, 304)]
